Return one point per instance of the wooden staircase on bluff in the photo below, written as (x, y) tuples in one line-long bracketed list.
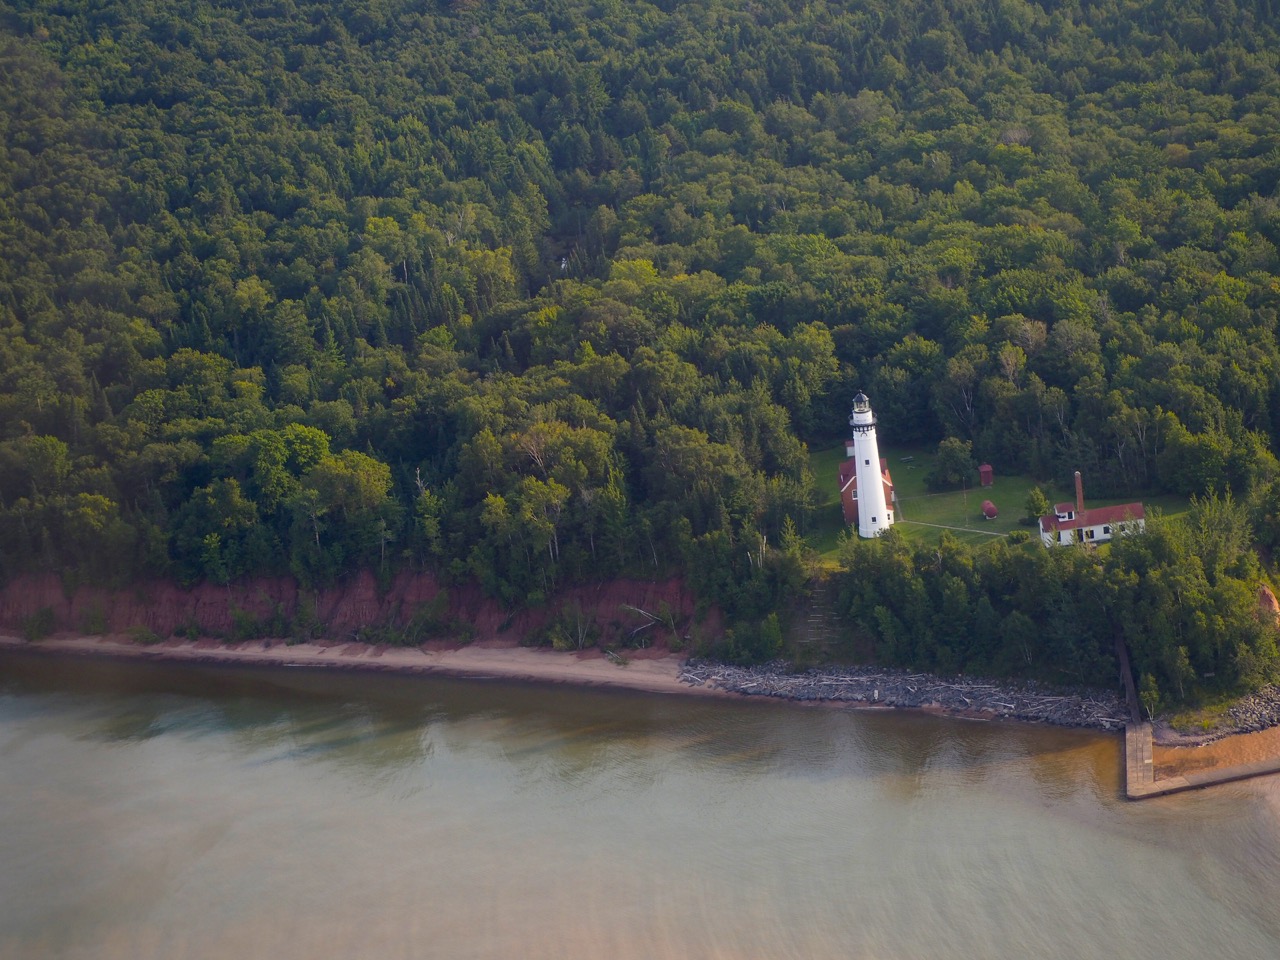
[(818, 628)]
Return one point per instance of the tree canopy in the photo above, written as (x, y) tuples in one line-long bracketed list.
[(540, 292)]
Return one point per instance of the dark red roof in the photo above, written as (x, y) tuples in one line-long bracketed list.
[(1094, 517), (848, 473), (849, 489)]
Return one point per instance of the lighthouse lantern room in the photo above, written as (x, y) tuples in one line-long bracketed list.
[(866, 489)]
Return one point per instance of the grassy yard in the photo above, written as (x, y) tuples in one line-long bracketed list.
[(922, 515), (828, 522)]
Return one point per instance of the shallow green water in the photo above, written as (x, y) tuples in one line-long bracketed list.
[(176, 812)]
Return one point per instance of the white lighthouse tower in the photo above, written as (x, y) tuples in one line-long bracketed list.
[(872, 487)]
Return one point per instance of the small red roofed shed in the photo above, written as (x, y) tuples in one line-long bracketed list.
[(986, 474)]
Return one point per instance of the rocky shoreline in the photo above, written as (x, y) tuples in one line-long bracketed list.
[(1025, 701), (1258, 711)]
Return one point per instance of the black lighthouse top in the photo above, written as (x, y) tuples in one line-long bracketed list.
[(862, 420)]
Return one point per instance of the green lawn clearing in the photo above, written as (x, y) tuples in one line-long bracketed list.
[(922, 515)]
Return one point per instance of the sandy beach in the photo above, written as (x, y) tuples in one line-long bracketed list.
[(648, 670)]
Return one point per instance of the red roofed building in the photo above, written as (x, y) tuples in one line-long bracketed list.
[(1072, 523), (849, 488)]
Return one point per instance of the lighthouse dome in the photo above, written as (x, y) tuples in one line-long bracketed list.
[(862, 418)]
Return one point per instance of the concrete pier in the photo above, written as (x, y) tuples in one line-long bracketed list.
[(1139, 769)]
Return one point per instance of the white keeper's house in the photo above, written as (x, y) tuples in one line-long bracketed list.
[(1072, 523)]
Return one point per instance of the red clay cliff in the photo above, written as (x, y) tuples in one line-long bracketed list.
[(612, 608)]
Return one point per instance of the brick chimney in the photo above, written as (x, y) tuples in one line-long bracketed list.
[(1079, 494)]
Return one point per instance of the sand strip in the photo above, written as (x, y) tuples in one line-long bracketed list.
[(654, 674)]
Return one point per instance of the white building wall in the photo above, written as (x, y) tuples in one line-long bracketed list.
[(1101, 533)]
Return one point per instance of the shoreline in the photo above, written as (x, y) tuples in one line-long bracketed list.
[(480, 661), (647, 670), (662, 672), (968, 697)]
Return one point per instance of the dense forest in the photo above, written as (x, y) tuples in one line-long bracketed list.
[(534, 293), (1182, 598)]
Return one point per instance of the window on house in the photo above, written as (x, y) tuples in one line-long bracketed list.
[(873, 519), (1090, 534), (1106, 529)]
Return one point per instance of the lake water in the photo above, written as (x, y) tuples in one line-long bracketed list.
[(180, 812)]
